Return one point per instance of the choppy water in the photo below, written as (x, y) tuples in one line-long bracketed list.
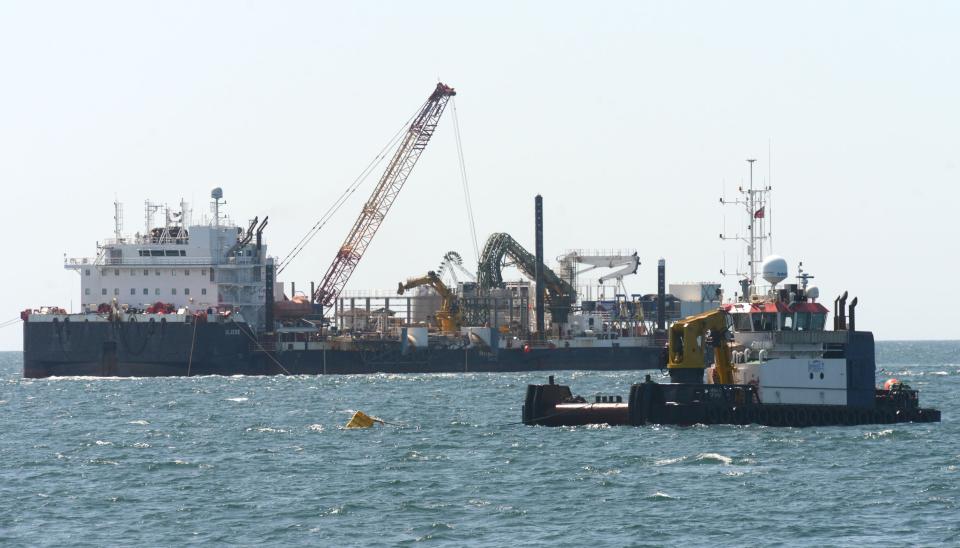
[(254, 460)]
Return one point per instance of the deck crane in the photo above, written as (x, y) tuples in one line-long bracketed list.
[(376, 207), (449, 316), (625, 265), (690, 339)]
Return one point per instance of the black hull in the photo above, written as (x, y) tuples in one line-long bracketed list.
[(125, 349), (687, 404)]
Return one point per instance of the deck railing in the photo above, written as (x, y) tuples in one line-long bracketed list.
[(136, 261)]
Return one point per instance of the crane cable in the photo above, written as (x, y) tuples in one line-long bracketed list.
[(463, 179), (347, 193), (10, 322)]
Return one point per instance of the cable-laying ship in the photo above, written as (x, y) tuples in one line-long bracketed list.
[(773, 362), (185, 298)]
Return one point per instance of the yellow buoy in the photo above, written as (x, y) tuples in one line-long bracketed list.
[(362, 420)]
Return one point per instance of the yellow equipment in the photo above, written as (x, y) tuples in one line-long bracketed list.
[(689, 339), (449, 317), (362, 420)]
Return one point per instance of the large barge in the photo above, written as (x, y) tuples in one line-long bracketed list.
[(184, 298)]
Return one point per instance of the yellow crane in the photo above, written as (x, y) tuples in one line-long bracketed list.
[(689, 340), (449, 316)]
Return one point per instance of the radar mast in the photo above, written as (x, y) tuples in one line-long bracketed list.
[(754, 201)]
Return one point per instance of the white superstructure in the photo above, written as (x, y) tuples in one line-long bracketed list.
[(217, 265), (780, 343)]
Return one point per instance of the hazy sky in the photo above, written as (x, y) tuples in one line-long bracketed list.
[(627, 116)]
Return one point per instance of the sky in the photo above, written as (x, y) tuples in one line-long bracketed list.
[(630, 118)]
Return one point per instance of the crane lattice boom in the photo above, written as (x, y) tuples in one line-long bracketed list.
[(377, 206)]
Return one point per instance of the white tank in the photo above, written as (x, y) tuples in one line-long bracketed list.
[(424, 304), (774, 269)]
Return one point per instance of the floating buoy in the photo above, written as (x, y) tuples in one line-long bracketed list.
[(362, 420), (890, 384)]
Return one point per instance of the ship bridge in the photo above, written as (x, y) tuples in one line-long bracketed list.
[(212, 265)]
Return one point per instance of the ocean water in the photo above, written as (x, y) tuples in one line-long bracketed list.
[(265, 460)]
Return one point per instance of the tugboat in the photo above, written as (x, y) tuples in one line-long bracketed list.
[(764, 358)]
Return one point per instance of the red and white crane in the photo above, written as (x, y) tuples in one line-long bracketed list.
[(376, 207)]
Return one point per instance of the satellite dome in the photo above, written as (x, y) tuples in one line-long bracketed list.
[(774, 269), (812, 292), (216, 193)]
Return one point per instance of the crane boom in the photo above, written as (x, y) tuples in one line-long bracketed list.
[(376, 207), (625, 265), (448, 317)]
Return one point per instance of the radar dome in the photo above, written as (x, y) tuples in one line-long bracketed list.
[(812, 292), (216, 193), (774, 269)]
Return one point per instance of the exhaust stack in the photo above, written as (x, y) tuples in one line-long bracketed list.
[(538, 233), (661, 295), (842, 312), (263, 225), (853, 314), (268, 305)]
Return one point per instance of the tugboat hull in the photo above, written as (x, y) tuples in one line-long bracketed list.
[(688, 404)]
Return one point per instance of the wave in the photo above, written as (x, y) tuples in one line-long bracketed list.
[(266, 430), (714, 457), (700, 458)]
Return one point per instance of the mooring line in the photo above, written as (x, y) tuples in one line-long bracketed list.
[(193, 340), (264, 350)]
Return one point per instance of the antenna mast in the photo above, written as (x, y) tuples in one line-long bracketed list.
[(149, 209), (754, 202), (217, 196), (117, 220)]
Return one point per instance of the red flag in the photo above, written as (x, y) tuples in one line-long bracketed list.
[(759, 213)]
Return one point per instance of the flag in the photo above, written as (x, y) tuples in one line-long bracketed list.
[(759, 213)]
